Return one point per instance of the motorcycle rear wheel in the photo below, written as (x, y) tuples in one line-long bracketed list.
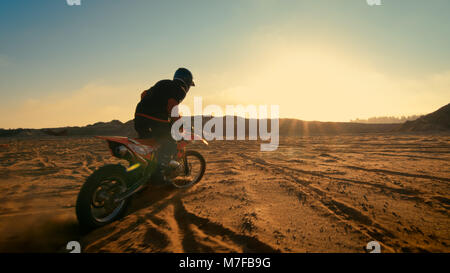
[(95, 206)]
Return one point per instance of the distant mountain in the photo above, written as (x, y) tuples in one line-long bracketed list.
[(390, 119), (49, 132), (114, 127), (436, 121), (287, 127)]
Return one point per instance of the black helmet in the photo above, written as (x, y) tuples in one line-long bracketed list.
[(184, 75)]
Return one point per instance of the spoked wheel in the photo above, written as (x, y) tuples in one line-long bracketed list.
[(95, 206), (103, 208), (193, 168)]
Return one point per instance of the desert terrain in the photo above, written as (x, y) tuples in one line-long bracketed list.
[(313, 194)]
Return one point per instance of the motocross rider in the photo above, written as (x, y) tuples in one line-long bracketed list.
[(153, 115)]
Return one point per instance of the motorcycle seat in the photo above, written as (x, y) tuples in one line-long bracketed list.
[(147, 141)]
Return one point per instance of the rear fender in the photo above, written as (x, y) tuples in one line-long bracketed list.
[(136, 152)]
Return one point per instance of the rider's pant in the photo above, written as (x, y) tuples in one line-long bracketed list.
[(161, 132)]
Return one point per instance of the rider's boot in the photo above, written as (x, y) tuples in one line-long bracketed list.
[(163, 168), (165, 164)]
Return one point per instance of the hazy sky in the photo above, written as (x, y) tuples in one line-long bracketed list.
[(318, 60)]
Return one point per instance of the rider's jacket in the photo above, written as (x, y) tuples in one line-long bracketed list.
[(157, 102)]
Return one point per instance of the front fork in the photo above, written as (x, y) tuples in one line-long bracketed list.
[(187, 170), (181, 156)]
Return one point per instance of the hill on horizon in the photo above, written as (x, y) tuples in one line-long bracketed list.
[(387, 119), (436, 121), (439, 120), (287, 127)]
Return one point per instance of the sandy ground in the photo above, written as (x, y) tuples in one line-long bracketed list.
[(314, 194)]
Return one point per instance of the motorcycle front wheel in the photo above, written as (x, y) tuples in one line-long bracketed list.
[(193, 169)]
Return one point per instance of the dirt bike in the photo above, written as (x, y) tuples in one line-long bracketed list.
[(107, 192)]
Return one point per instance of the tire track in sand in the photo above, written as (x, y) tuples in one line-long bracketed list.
[(168, 226), (341, 211)]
